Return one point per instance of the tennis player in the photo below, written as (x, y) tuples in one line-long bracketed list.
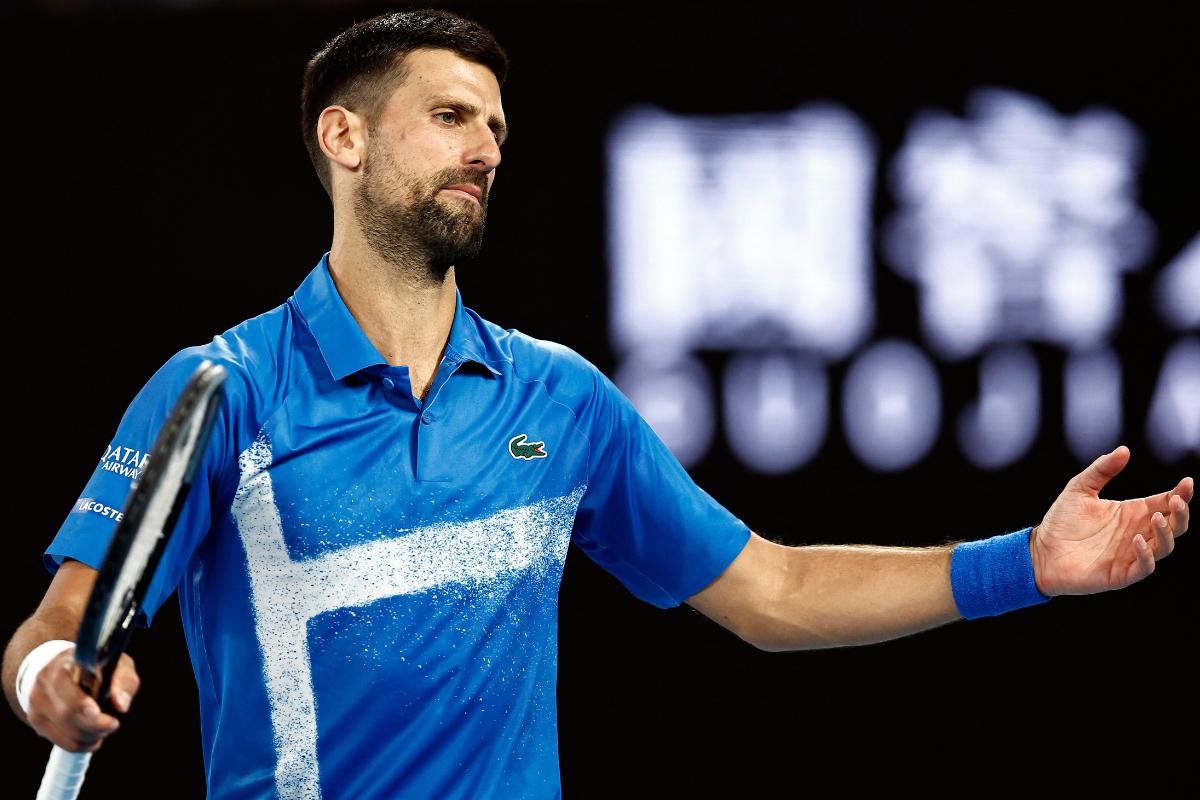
[(369, 561)]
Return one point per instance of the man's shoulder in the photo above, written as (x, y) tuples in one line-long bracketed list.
[(531, 358), (254, 352), (569, 377)]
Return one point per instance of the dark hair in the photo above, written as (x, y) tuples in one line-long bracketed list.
[(360, 66)]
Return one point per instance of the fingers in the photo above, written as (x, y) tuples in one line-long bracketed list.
[(1185, 490), (125, 684), (1164, 542), (1101, 471), (1144, 563), (1164, 528), (63, 713), (88, 724), (1173, 506), (68, 738), (1180, 514)]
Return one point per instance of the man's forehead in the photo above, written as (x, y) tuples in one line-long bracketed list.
[(438, 72)]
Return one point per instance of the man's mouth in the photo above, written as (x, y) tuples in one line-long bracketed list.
[(469, 189)]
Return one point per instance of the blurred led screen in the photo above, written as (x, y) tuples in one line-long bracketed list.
[(754, 236)]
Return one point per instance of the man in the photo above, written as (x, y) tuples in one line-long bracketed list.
[(368, 566)]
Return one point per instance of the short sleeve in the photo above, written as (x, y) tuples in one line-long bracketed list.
[(642, 517), (89, 526)]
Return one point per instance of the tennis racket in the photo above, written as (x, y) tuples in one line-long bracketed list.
[(151, 510)]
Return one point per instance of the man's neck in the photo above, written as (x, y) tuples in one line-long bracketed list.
[(402, 308)]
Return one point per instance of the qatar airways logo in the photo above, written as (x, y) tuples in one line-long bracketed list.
[(125, 461)]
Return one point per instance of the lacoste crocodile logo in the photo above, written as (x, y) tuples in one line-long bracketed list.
[(519, 449)]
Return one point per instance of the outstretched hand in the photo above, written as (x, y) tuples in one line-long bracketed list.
[(1086, 545)]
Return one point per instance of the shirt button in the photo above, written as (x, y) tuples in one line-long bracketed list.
[(427, 418), (389, 384)]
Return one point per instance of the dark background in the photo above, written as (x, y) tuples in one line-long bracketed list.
[(159, 193)]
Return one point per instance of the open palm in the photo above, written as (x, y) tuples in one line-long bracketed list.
[(1086, 544)]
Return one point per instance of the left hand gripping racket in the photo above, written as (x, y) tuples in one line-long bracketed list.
[(151, 510)]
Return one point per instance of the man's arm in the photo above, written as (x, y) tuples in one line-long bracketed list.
[(58, 709), (797, 598), (804, 598)]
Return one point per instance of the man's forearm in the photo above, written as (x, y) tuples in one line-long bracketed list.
[(835, 596), (57, 617), (804, 598)]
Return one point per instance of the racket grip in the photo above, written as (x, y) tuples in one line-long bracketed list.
[(64, 775)]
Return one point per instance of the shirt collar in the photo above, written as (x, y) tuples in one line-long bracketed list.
[(344, 346), (466, 340)]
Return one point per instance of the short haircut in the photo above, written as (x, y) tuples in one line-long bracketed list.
[(362, 65)]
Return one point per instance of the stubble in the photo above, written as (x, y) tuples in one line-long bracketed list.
[(422, 234)]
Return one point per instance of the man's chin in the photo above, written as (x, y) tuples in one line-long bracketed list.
[(461, 211), (456, 249), (463, 235)]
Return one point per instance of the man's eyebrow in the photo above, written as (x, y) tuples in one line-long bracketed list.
[(498, 126)]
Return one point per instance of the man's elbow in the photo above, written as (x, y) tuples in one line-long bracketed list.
[(774, 634), (749, 632), (765, 635), (769, 647), (772, 644)]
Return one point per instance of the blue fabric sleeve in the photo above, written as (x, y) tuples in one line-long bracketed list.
[(89, 526), (643, 518)]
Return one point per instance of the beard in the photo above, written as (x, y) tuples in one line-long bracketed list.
[(423, 232)]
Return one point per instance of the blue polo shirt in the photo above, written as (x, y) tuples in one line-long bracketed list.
[(369, 583)]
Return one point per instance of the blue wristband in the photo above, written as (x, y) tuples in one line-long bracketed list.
[(995, 575)]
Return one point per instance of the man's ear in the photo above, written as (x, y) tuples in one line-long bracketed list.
[(342, 136)]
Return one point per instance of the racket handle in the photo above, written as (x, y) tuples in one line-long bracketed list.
[(64, 775)]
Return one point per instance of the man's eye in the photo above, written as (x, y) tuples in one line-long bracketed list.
[(447, 116)]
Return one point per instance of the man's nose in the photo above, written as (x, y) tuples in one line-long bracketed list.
[(484, 150)]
